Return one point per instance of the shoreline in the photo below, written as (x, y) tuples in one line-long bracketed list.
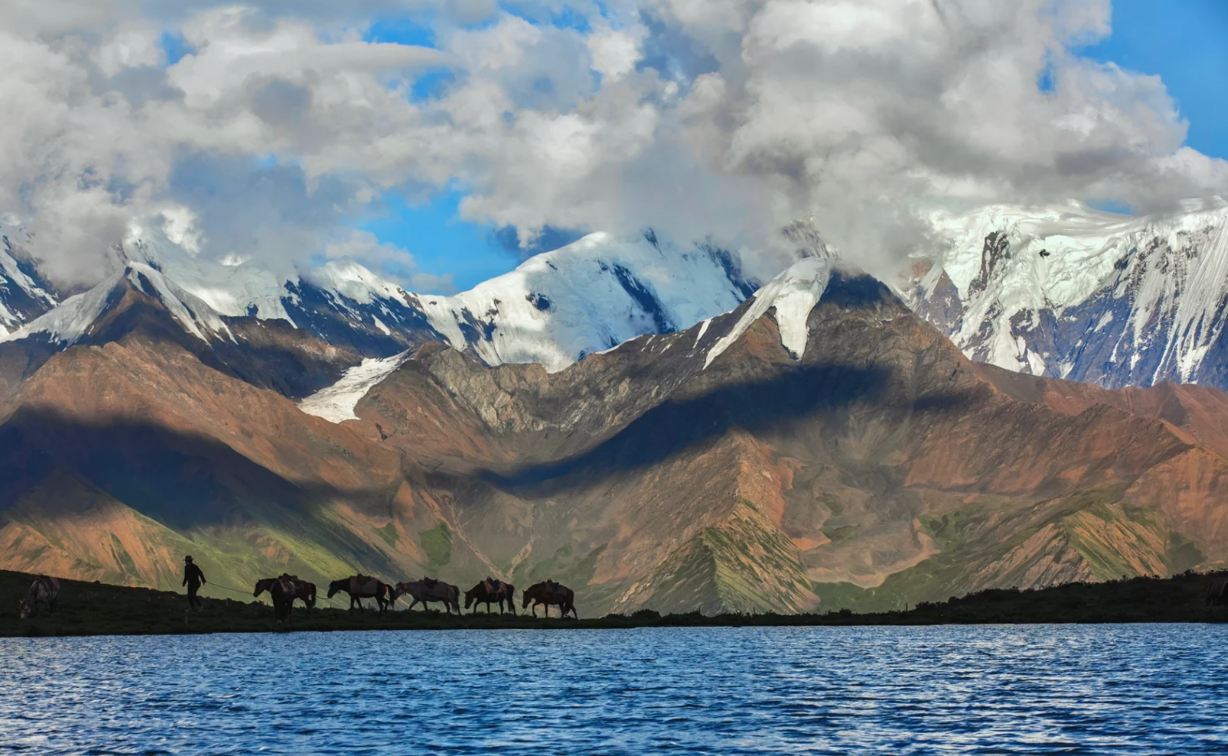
[(98, 609)]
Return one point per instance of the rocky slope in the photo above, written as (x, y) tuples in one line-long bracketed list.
[(819, 446)]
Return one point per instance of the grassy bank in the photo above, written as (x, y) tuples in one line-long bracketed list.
[(99, 609)]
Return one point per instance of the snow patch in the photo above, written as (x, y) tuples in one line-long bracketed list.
[(793, 294), (337, 402), (703, 328)]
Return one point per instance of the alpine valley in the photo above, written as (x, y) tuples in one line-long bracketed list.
[(1036, 402)]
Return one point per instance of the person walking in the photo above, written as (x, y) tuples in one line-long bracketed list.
[(193, 578)]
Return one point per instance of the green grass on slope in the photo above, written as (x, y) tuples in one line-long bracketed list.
[(437, 544), (981, 547), (100, 609)]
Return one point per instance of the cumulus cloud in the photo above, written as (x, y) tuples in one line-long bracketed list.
[(281, 124)]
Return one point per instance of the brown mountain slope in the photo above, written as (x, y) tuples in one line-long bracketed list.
[(152, 446), (878, 457), (880, 468)]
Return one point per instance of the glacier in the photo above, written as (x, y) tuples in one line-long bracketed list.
[(1071, 292)]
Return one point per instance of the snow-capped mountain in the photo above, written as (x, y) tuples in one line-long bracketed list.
[(554, 309), (24, 295), (1075, 293)]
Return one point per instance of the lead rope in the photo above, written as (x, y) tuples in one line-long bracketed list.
[(227, 588)]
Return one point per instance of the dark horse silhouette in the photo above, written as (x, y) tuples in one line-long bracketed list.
[(482, 594), (360, 587), (303, 591), (423, 592), (284, 590), (548, 594), (44, 590)]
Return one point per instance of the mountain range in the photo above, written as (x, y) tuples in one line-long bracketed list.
[(643, 421)]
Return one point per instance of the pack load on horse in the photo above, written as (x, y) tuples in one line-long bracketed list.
[(284, 589), (363, 586), (1217, 591), (44, 590), (490, 591), (427, 590), (550, 593)]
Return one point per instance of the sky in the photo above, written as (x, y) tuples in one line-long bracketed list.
[(441, 142)]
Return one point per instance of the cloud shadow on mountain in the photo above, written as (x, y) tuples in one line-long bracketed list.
[(778, 405), (184, 481)]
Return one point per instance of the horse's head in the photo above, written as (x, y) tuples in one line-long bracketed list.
[(336, 585), (469, 596), (262, 586), (27, 608), (528, 596)]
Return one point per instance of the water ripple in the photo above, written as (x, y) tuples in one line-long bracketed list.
[(1140, 689)]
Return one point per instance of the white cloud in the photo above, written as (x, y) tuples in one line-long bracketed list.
[(726, 117), (615, 51), (390, 261)]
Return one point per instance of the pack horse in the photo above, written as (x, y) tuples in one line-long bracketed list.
[(363, 586), (549, 594), (426, 590), (44, 590), (284, 590), (491, 591)]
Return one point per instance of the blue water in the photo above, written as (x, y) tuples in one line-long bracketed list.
[(1006, 689)]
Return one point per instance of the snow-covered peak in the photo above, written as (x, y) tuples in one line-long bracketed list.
[(1073, 292), (587, 297), (233, 288), (793, 294), (21, 296), (73, 318), (353, 281)]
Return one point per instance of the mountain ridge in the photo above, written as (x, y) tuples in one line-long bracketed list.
[(819, 445)]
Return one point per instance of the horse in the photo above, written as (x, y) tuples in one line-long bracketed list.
[(44, 590), (482, 593), (360, 587), (303, 591), (283, 591), (1217, 592), (422, 592), (551, 593)]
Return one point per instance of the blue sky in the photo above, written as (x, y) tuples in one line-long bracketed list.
[(1185, 42)]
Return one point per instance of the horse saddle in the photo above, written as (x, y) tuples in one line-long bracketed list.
[(363, 584), (492, 586)]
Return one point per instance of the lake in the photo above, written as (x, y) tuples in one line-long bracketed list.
[(1099, 689)]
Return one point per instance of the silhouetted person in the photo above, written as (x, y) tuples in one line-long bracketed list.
[(193, 578)]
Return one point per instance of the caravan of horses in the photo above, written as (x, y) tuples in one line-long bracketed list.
[(285, 589), (490, 592)]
